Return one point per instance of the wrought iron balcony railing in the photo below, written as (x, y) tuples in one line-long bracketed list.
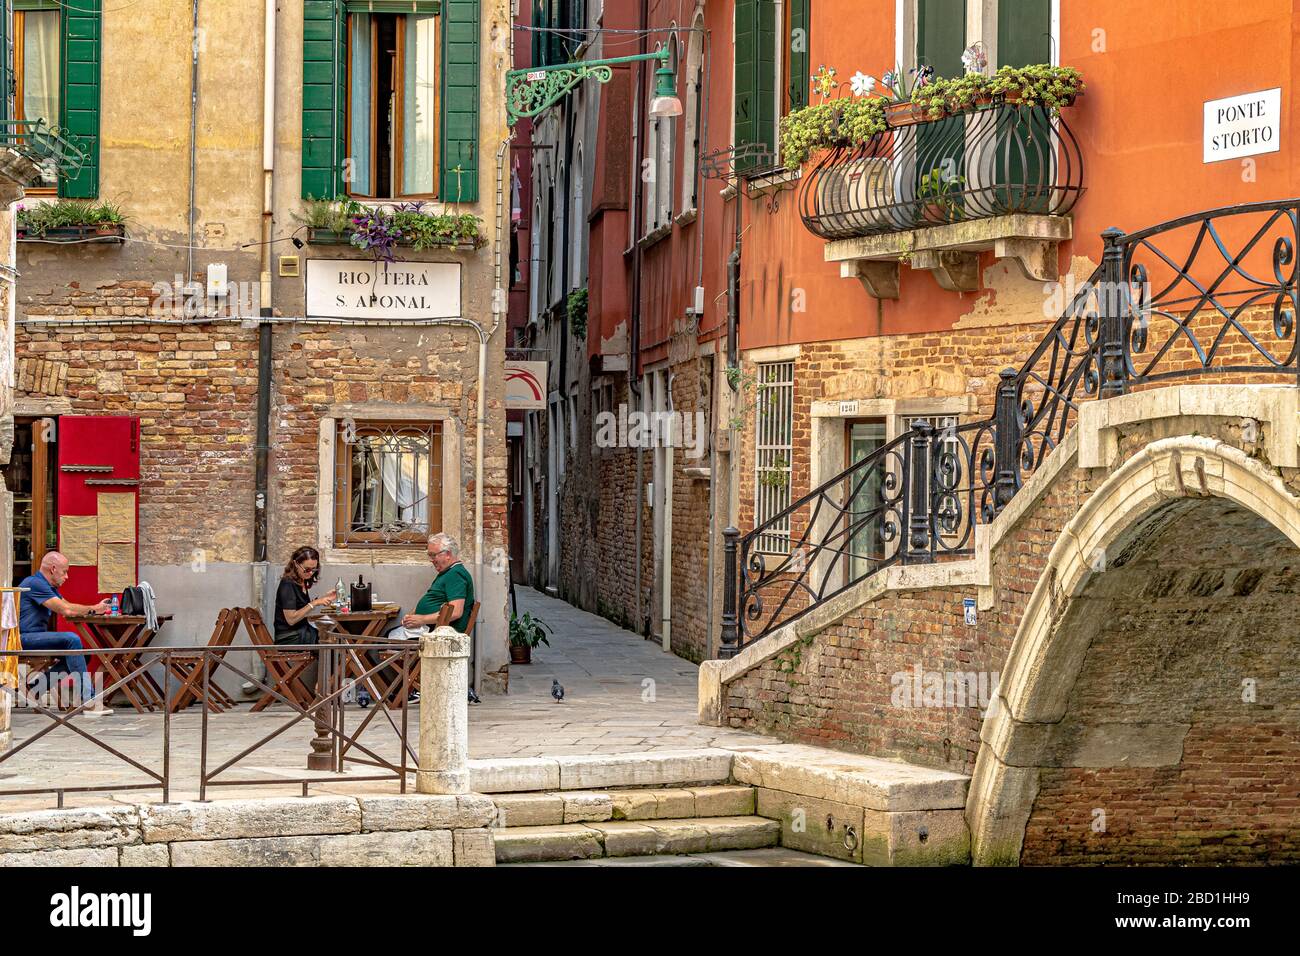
[(1001, 159), (50, 149), (1214, 295)]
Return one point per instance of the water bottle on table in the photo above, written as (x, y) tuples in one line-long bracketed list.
[(114, 608)]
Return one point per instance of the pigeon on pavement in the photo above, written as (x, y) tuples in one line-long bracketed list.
[(473, 697), (557, 690)]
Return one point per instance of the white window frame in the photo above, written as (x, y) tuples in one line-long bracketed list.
[(452, 439)]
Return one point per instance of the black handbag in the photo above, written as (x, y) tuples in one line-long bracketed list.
[(132, 601)]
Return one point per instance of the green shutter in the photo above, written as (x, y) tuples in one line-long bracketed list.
[(797, 53), (324, 92), (79, 111), (6, 60), (941, 35), (755, 76), (459, 146), (1025, 39)]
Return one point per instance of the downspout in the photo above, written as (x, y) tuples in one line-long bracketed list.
[(264, 302), (194, 129), (634, 345)]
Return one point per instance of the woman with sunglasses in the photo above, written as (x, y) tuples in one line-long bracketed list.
[(292, 602)]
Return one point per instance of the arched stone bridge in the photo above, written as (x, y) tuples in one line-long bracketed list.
[(1114, 659), (1136, 628)]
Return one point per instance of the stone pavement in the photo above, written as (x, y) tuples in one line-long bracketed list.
[(623, 694)]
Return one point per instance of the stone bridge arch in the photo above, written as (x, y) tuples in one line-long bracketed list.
[(1149, 709)]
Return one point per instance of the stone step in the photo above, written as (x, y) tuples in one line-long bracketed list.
[(594, 806), (622, 838), (681, 768), (776, 856)]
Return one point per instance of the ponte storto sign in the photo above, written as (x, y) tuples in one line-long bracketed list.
[(1244, 125), (361, 289)]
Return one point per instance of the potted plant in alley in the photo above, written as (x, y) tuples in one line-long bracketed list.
[(526, 632)]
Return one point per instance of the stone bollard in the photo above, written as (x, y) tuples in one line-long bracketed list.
[(444, 713)]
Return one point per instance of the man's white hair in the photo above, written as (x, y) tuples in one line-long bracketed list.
[(445, 541)]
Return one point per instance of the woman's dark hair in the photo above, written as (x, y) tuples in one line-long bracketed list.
[(304, 553)]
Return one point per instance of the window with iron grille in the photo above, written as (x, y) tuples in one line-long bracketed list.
[(773, 431), (387, 483)]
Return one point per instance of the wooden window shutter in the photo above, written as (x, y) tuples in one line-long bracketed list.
[(755, 76), (941, 36), (1025, 34), (324, 97), (6, 60), (797, 54), (460, 79), (79, 111)]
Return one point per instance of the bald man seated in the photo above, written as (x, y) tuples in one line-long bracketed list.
[(40, 602)]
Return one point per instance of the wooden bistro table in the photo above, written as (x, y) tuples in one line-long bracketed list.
[(367, 627), (123, 632)]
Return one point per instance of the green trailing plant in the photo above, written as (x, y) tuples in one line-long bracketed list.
[(850, 121), (775, 475), (577, 309), (744, 384), (528, 631)]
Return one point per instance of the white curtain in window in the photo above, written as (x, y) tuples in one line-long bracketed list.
[(41, 66), (405, 491), (359, 106), (419, 98)]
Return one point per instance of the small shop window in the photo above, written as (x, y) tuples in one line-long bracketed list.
[(388, 483)]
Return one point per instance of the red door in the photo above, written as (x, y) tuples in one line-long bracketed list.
[(99, 507)]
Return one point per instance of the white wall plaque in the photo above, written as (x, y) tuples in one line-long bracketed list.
[(1243, 125), (362, 289)]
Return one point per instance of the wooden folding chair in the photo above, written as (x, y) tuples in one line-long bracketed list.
[(189, 670), (283, 667), (411, 670)]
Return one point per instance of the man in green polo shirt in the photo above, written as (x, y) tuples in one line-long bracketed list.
[(453, 586)]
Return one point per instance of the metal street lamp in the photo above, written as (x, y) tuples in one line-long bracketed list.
[(529, 92)]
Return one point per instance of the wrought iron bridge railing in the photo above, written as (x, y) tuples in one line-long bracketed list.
[(1000, 159), (1212, 296)]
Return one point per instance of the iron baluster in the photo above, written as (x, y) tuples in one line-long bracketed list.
[(1007, 427), (918, 464), (730, 592), (1113, 366)]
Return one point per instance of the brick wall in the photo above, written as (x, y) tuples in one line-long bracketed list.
[(194, 388)]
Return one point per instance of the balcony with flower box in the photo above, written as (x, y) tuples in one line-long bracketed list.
[(957, 168)]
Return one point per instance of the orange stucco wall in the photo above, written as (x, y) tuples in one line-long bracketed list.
[(1148, 67)]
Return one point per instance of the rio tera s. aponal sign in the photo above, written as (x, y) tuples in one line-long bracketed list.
[(1243, 125), (362, 289)]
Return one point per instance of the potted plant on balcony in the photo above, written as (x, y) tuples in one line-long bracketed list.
[(526, 632), (936, 192)]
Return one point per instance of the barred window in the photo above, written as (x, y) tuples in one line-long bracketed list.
[(774, 426), (387, 482)]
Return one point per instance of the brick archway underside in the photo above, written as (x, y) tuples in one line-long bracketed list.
[(1180, 740)]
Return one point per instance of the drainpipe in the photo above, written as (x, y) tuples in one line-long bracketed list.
[(634, 344), (264, 303), (194, 128)]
